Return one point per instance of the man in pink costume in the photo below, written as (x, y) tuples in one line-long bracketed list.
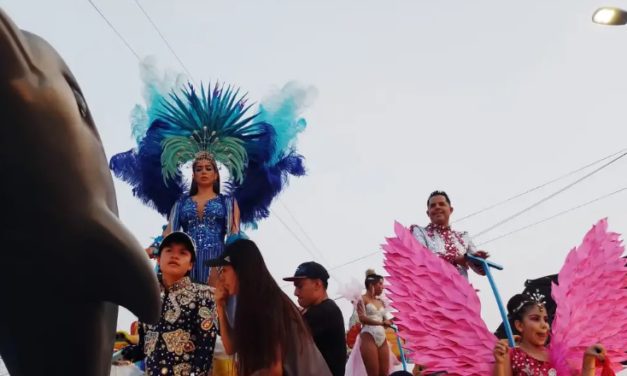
[(440, 239)]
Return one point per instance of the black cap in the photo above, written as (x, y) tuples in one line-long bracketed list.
[(223, 260), (179, 238), (309, 270)]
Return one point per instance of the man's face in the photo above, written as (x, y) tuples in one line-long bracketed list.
[(308, 291), (175, 261), (439, 211)]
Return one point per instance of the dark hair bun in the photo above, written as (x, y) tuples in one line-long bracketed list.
[(515, 302)]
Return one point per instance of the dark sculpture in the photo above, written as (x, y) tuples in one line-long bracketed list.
[(63, 249)]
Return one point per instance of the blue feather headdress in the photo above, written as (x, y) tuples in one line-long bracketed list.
[(180, 124)]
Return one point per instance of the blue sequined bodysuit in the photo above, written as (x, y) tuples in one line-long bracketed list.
[(208, 233)]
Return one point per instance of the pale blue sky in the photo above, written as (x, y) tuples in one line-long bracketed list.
[(483, 99)]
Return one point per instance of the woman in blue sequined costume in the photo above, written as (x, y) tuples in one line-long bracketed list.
[(206, 215), (211, 129)]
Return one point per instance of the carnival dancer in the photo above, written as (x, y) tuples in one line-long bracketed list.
[(440, 313), (529, 319), (440, 239), (211, 129), (321, 314), (183, 341), (269, 334), (372, 354)]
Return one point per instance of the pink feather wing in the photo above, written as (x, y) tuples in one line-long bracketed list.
[(591, 302), (439, 312)]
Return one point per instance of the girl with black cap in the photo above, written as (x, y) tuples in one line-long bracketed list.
[(267, 331)]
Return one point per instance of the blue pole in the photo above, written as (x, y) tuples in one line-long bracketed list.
[(400, 347), (486, 267)]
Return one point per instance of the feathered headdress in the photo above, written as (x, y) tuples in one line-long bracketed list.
[(180, 124)]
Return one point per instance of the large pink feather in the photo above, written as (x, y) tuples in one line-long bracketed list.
[(591, 302), (438, 310)]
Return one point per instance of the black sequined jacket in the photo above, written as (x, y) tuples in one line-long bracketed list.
[(182, 343)]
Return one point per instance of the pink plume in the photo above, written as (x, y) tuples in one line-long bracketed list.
[(438, 309), (591, 302)]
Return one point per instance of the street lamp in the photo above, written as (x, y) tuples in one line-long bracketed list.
[(610, 16)]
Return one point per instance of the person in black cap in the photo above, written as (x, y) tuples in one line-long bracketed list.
[(268, 333), (323, 316), (182, 342)]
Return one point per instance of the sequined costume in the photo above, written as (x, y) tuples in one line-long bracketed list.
[(524, 365), (182, 343), (181, 124), (208, 231), (377, 314), (447, 244)]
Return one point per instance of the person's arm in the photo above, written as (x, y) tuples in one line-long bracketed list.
[(167, 229), (225, 329), (363, 318), (136, 353), (204, 332), (502, 361), (472, 250), (236, 218), (419, 235), (588, 368)]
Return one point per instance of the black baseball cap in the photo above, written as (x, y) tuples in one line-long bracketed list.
[(178, 238), (309, 270)]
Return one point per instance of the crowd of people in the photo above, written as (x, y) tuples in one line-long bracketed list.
[(215, 283)]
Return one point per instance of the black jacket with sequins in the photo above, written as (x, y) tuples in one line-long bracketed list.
[(182, 343)]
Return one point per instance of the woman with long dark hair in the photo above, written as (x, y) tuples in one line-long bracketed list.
[(206, 215), (210, 127), (268, 332)]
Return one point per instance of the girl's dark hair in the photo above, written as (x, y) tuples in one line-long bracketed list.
[(266, 319), (193, 190), (372, 277), (517, 307)]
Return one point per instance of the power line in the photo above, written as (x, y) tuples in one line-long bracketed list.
[(165, 41), (114, 29), (192, 77), (502, 236), (555, 216), (539, 187), (549, 196)]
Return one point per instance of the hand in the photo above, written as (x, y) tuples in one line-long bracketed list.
[(481, 254), (221, 294), (501, 352), (387, 323), (461, 260), (595, 352), (150, 251)]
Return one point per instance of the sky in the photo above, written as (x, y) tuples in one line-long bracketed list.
[(483, 99)]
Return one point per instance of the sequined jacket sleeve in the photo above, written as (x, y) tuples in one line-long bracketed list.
[(204, 332), (419, 234), (135, 353)]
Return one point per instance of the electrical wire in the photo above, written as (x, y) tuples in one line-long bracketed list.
[(502, 236), (114, 29), (538, 187), (165, 41), (554, 216), (548, 197)]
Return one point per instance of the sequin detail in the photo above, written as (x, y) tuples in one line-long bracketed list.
[(524, 365), (208, 233), (181, 343), (447, 244)]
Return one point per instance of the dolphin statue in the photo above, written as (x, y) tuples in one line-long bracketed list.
[(63, 250)]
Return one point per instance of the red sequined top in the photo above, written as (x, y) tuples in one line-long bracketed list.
[(524, 365)]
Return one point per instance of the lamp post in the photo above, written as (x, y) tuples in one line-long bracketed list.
[(610, 16)]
